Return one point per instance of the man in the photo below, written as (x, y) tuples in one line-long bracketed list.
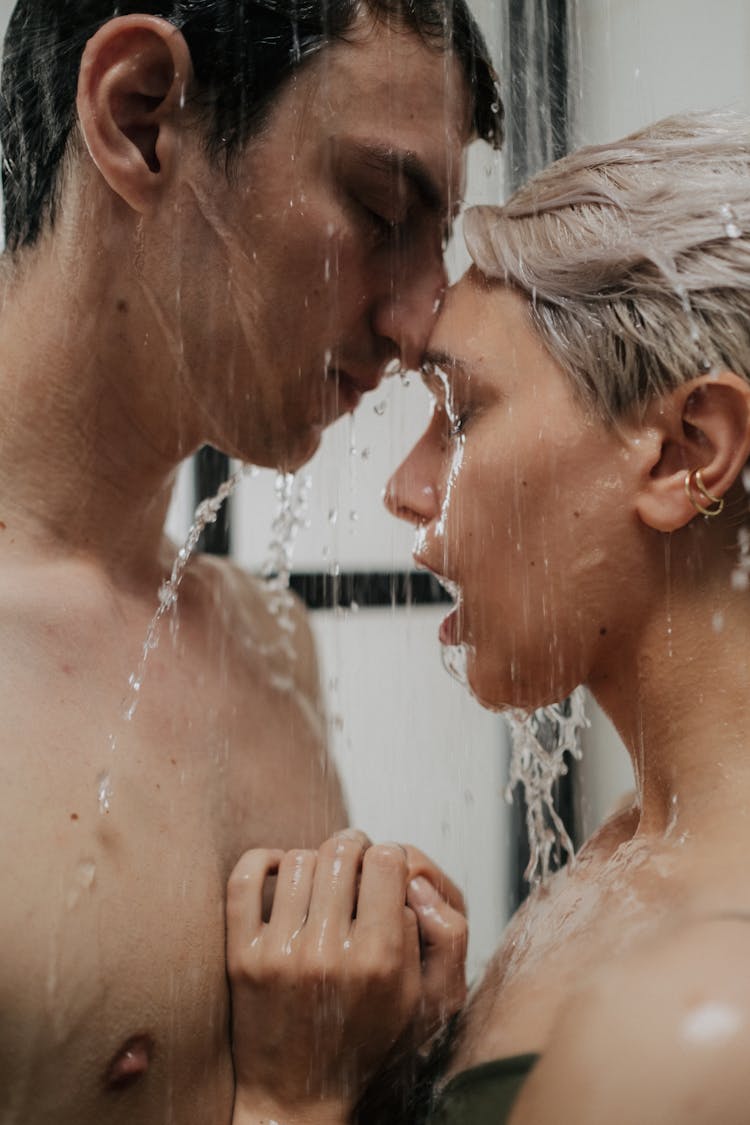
[(223, 221)]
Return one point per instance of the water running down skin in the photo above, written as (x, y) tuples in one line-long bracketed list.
[(133, 332), (627, 974)]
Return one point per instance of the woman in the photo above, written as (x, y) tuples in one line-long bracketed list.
[(580, 485)]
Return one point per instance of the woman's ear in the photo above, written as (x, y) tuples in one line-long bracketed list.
[(134, 76), (703, 424)]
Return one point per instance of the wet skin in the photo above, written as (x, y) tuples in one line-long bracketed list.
[(549, 523), (113, 984), (203, 317)]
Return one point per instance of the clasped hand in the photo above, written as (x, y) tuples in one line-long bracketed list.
[(364, 950)]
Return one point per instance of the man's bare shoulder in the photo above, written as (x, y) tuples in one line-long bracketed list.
[(663, 1036), (266, 620)]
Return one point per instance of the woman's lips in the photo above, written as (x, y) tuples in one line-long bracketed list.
[(449, 628)]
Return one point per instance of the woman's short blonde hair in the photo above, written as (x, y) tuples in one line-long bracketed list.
[(635, 257)]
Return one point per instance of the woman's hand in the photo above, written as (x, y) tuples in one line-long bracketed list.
[(443, 931), (324, 989)]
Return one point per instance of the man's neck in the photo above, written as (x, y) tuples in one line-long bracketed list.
[(89, 444)]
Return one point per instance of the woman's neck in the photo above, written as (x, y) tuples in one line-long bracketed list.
[(680, 701)]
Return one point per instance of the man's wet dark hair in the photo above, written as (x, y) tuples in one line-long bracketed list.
[(242, 52)]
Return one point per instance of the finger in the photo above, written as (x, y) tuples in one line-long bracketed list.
[(411, 987), (291, 901), (245, 889), (355, 834), (444, 939), (421, 864), (441, 927), (334, 892), (382, 892)]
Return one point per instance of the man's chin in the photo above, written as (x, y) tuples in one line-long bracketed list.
[(282, 453)]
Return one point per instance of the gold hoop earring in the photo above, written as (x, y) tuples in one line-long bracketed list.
[(715, 506)]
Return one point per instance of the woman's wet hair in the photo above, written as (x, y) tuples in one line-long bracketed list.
[(635, 257), (242, 53)]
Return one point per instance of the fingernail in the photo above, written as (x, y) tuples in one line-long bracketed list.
[(423, 891), (350, 834)]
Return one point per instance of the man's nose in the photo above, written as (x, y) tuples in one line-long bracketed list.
[(405, 315), (410, 493)]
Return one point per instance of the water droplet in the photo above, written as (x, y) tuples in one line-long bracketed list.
[(366, 453), (380, 408), (712, 1023), (717, 622), (333, 516), (354, 517), (732, 229), (86, 873), (740, 579), (104, 792)]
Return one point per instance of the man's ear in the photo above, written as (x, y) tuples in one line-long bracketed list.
[(134, 76), (703, 424)]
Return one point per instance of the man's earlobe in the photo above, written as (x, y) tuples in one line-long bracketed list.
[(134, 76), (703, 429)]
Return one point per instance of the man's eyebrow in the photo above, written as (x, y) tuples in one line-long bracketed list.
[(409, 165)]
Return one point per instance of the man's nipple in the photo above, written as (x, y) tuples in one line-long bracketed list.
[(130, 1063)]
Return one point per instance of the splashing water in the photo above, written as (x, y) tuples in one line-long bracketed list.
[(539, 744), (206, 513), (454, 662), (292, 500), (458, 451)]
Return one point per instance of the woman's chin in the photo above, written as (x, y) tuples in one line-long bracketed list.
[(494, 689)]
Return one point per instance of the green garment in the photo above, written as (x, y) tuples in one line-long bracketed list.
[(483, 1095)]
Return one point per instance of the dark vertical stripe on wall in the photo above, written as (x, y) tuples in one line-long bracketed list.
[(211, 470), (535, 86), (536, 89)]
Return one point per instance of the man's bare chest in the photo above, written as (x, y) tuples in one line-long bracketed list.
[(118, 836)]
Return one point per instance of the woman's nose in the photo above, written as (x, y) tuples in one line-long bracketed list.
[(410, 495)]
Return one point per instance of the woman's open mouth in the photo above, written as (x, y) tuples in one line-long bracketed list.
[(450, 626)]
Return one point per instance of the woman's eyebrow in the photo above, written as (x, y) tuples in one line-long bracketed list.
[(443, 361)]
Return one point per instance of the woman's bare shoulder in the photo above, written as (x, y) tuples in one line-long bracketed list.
[(662, 1036)]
